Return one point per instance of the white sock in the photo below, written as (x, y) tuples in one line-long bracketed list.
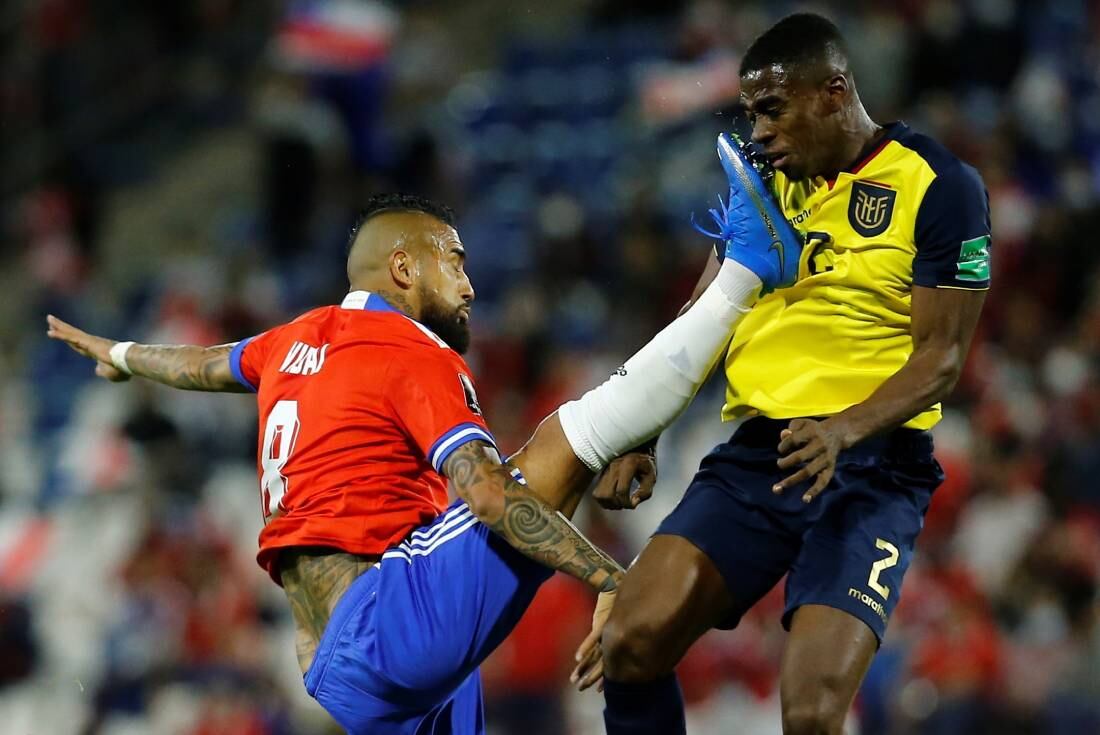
[(658, 382)]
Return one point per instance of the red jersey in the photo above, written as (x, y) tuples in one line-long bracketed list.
[(360, 406)]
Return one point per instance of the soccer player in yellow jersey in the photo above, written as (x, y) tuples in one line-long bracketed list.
[(838, 379)]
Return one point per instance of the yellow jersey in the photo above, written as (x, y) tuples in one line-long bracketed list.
[(909, 214)]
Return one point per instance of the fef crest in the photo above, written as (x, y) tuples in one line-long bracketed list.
[(870, 208)]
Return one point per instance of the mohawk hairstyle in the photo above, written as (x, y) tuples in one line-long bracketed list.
[(393, 202), (797, 40), (380, 203)]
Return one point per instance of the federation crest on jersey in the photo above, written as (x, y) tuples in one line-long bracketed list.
[(471, 394), (870, 208)]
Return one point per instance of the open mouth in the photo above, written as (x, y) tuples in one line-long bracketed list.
[(778, 160)]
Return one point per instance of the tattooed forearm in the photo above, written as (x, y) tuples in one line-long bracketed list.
[(520, 517), (189, 367), (314, 581)]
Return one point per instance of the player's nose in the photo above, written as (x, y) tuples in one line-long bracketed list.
[(762, 133)]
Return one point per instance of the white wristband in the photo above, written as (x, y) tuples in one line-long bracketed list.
[(118, 356)]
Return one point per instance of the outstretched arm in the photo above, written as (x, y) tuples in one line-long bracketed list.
[(189, 367), (523, 519)]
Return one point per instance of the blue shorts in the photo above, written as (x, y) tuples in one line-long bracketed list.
[(400, 654), (848, 549)]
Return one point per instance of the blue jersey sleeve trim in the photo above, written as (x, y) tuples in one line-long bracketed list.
[(235, 363), (454, 438)]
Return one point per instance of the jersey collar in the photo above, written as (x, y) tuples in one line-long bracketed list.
[(366, 301), (890, 131)]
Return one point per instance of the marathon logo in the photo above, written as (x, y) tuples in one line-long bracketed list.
[(800, 217), (303, 359), (869, 602)]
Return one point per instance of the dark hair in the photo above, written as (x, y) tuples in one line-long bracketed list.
[(393, 202), (380, 203), (797, 40)]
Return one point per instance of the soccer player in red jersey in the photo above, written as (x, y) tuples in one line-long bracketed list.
[(366, 409)]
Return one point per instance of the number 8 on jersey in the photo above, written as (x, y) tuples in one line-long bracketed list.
[(280, 433)]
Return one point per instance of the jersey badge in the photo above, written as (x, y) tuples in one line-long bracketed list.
[(870, 208), (470, 393), (973, 263)]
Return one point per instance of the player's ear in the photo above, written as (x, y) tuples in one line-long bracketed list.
[(835, 92), (402, 268)]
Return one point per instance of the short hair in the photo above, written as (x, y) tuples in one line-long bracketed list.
[(798, 40), (394, 202)]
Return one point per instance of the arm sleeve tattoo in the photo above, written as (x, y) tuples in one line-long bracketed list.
[(188, 367), (524, 520)]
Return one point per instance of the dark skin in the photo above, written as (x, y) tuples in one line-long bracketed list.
[(943, 322), (628, 481), (810, 123)]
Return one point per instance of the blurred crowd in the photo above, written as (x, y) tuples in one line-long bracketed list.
[(189, 172)]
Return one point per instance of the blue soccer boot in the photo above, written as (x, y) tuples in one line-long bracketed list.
[(754, 230)]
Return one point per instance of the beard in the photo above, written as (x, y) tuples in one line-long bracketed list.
[(446, 322)]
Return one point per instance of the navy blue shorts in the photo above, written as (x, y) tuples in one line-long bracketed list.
[(400, 654), (849, 548)]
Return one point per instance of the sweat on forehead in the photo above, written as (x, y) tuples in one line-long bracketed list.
[(780, 75), (765, 88)]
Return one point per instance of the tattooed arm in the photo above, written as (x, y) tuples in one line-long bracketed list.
[(524, 520), (189, 367)]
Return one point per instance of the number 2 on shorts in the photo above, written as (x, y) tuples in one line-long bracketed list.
[(280, 433), (881, 565)]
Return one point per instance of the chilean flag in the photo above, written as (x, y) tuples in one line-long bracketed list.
[(336, 35)]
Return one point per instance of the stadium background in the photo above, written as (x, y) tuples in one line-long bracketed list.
[(188, 172)]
